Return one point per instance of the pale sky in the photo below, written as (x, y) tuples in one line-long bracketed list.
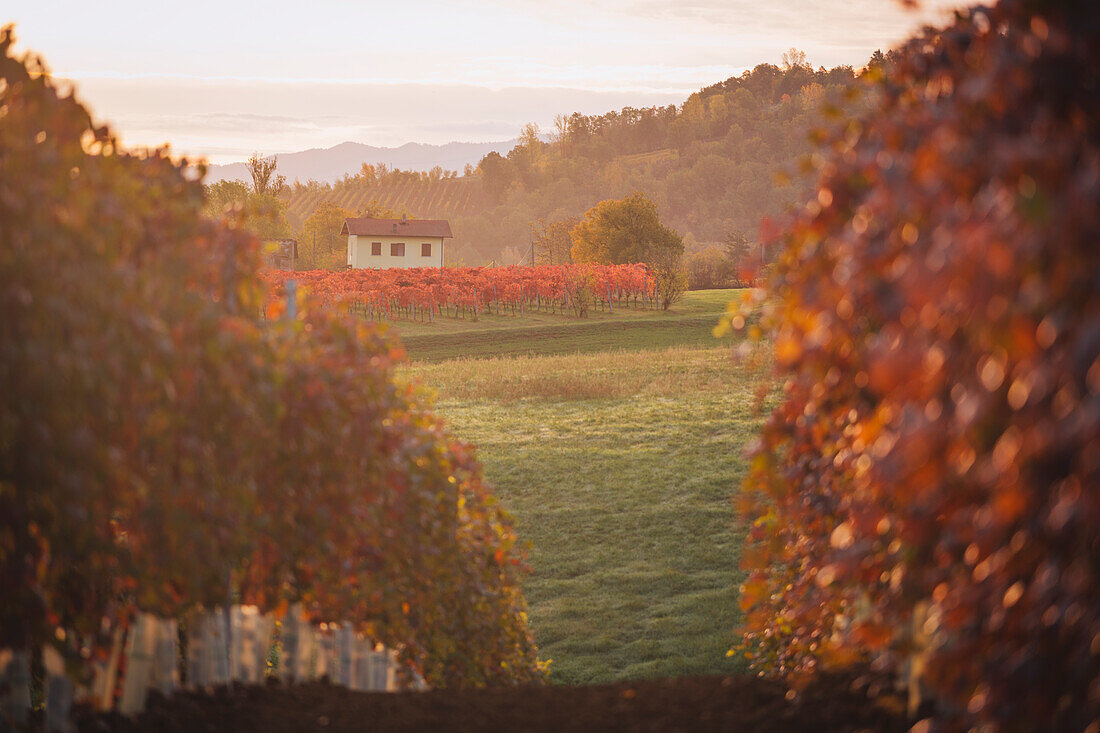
[(222, 78)]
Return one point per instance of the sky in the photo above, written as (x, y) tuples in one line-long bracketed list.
[(224, 78)]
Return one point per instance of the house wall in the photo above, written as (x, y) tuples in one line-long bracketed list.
[(359, 252)]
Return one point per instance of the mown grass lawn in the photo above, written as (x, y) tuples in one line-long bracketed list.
[(620, 468)]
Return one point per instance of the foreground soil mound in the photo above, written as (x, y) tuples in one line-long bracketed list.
[(830, 703)]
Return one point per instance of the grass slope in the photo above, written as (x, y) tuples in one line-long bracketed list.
[(619, 467), (689, 322)]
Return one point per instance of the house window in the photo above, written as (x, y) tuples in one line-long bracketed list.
[(397, 249), (426, 249), (376, 248)]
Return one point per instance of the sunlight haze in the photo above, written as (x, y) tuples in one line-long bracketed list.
[(221, 79)]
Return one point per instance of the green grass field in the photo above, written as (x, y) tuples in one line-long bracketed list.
[(689, 322), (619, 463)]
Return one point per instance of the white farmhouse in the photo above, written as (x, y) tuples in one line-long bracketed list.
[(384, 243)]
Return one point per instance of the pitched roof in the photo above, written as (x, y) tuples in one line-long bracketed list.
[(411, 228)]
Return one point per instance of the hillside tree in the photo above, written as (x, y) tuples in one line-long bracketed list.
[(265, 180), (630, 230), (551, 241), (622, 231), (320, 244), (263, 215)]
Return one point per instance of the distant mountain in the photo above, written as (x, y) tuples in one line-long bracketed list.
[(330, 164)]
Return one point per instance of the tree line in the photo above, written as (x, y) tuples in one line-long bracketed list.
[(731, 154)]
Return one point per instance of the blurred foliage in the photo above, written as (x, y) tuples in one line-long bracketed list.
[(160, 440), (261, 214), (928, 493)]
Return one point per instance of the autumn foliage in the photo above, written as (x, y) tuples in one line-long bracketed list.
[(163, 446), (430, 292), (928, 491)]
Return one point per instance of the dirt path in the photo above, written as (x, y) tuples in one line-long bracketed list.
[(831, 703)]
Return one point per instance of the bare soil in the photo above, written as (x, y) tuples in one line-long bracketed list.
[(834, 702)]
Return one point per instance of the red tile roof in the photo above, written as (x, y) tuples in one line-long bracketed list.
[(411, 228)]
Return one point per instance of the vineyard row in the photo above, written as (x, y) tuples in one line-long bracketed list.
[(440, 199), (468, 292)]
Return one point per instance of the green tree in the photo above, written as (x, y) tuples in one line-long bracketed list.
[(320, 244), (496, 174), (710, 268), (258, 208), (222, 196), (743, 255), (551, 241), (622, 231), (265, 217), (629, 230)]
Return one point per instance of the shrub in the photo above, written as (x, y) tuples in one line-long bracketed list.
[(671, 282), (928, 489), (625, 230), (710, 268), (159, 440)]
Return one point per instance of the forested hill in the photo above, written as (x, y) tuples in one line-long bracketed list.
[(715, 165)]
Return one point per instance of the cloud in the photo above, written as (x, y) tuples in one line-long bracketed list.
[(228, 120)]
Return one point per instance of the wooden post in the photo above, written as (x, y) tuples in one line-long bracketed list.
[(196, 652), (227, 620), (265, 632), (244, 622), (106, 675), (140, 649), (291, 299), (59, 693), (305, 649), (379, 670), (363, 654), (166, 674), (289, 659), (217, 643), (345, 638), (327, 654)]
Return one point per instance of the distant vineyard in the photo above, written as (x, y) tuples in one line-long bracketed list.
[(467, 292), (439, 199)]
